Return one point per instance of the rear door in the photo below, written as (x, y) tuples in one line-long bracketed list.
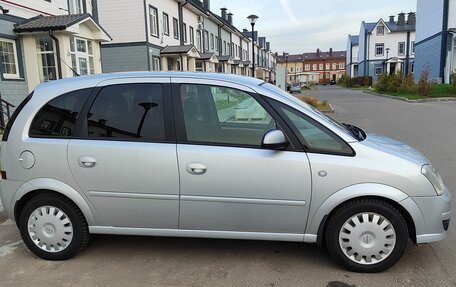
[(125, 156), (228, 182)]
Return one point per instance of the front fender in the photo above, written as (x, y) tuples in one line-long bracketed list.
[(363, 190), (59, 187)]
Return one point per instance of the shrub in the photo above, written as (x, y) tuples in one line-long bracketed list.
[(366, 81), (453, 81), (425, 87), (310, 100), (382, 84), (394, 81), (408, 85)]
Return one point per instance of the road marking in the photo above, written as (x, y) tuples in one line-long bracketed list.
[(9, 248)]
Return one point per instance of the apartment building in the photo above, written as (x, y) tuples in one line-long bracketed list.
[(42, 41), (386, 47), (314, 68), (436, 39), (179, 36)]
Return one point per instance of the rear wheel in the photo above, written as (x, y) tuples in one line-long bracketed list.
[(366, 235), (53, 227)]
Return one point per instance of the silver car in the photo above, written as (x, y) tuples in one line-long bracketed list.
[(210, 155)]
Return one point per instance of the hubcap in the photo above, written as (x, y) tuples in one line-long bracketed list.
[(367, 238), (50, 229)]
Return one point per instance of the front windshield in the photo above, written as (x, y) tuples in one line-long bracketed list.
[(313, 110)]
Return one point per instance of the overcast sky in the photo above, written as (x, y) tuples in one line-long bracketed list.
[(298, 26)]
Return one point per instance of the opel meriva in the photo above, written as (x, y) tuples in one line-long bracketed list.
[(210, 155)]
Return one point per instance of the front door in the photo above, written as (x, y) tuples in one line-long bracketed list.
[(228, 182), (126, 161)]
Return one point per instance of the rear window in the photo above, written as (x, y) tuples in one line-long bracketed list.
[(14, 116), (58, 117)]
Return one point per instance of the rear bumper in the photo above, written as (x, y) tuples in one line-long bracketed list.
[(436, 211), (8, 189)]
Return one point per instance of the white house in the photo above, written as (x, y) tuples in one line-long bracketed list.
[(386, 47), (352, 56)]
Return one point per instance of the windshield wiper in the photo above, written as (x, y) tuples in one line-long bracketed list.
[(357, 132)]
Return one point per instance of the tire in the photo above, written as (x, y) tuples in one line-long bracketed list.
[(366, 235), (53, 227)]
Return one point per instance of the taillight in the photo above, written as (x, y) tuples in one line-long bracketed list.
[(3, 172)]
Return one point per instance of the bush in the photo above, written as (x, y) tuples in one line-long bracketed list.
[(408, 85), (394, 82), (366, 81), (425, 87), (382, 84), (453, 81)]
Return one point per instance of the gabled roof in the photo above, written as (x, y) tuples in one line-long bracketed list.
[(55, 23), (392, 26), (178, 49), (226, 58), (354, 39), (211, 57)]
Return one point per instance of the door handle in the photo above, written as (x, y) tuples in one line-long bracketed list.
[(196, 168), (87, 161)]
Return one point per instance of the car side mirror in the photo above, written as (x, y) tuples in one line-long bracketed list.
[(275, 139)]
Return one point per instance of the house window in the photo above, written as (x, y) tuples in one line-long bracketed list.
[(224, 47), (328, 66), (192, 38), (165, 24), (401, 49), (212, 41), (81, 52), (175, 28), (412, 67), (216, 43), (320, 67), (155, 64), (314, 67), (334, 66), (341, 66), (379, 49), (378, 70), (232, 49), (74, 6), (307, 67), (291, 69), (8, 59), (153, 14), (185, 32), (198, 40), (380, 30), (47, 61), (199, 66), (412, 47), (236, 50), (206, 41), (328, 76)]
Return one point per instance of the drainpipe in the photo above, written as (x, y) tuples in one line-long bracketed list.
[(407, 57), (57, 47), (181, 21), (443, 50)]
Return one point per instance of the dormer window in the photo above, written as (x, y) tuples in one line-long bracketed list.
[(380, 30)]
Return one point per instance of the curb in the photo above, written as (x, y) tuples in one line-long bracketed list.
[(427, 100), (330, 111)]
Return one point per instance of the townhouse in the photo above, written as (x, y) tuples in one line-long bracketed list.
[(436, 39), (181, 36), (42, 41), (386, 47), (313, 68), (352, 56)]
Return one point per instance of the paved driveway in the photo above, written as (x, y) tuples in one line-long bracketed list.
[(141, 261)]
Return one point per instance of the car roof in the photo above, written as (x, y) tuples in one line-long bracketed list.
[(92, 80)]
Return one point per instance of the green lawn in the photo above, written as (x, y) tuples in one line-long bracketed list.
[(440, 91)]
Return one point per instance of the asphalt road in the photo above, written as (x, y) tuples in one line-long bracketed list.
[(143, 261)]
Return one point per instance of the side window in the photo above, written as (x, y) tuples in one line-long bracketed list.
[(315, 137), (58, 117), (214, 114), (130, 111)]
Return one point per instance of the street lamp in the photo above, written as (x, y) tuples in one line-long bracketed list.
[(387, 58), (252, 19), (286, 67)]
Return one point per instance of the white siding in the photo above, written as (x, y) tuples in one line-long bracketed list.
[(429, 18), (171, 8), (191, 20), (41, 7), (391, 41), (452, 13), (354, 56), (113, 17), (235, 39)]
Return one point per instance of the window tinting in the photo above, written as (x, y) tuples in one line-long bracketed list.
[(132, 111), (222, 115), (58, 117)]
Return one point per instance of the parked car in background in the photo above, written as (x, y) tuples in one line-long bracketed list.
[(333, 82), (215, 156), (295, 88)]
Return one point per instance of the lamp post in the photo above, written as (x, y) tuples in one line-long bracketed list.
[(387, 58), (252, 19), (286, 67)]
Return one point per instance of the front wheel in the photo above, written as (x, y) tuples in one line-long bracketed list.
[(53, 227), (366, 235)]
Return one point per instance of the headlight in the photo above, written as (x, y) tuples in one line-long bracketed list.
[(433, 176)]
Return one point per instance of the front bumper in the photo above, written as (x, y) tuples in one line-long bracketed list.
[(436, 211)]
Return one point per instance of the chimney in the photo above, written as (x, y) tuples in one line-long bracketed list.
[(245, 30), (401, 19), (230, 18), (411, 18), (207, 4), (392, 19), (268, 46), (330, 52), (318, 52), (223, 13)]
